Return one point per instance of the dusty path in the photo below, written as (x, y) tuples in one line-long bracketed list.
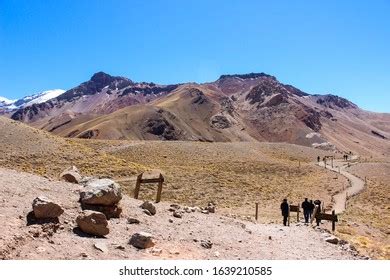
[(356, 185)]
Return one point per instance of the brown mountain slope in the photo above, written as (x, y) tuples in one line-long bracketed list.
[(32, 150), (248, 107)]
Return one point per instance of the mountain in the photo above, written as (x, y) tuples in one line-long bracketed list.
[(5, 104), (238, 107), (10, 105)]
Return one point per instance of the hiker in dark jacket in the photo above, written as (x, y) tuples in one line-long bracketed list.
[(306, 210), (318, 203), (285, 209)]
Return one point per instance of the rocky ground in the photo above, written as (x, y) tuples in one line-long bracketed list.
[(193, 236)]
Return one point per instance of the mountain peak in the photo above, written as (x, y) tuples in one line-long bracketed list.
[(248, 76), (102, 77)]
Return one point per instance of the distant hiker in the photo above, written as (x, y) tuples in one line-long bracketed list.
[(306, 210), (311, 208), (285, 209), (318, 203), (318, 159)]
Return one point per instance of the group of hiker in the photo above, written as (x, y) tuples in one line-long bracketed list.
[(307, 206)]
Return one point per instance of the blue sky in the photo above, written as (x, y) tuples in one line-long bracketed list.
[(339, 47)]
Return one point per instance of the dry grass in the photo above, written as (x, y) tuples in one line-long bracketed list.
[(232, 175), (366, 223)]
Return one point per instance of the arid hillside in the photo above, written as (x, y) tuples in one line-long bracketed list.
[(249, 107)]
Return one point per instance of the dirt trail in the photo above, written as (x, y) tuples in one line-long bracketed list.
[(356, 185)]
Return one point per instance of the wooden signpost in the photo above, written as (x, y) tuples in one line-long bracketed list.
[(323, 216), (293, 208), (329, 217), (159, 180)]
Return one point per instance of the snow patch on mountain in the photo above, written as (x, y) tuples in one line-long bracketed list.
[(40, 97), (6, 101)]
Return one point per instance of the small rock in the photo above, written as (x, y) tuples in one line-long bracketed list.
[(269, 237), (142, 240), (92, 222), (133, 221), (149, 206), (101, 247), (207, 244), (170, 220), (210, 207), (84, 255), (45, 208), (205, 211), (120, 247), (177, 214), (216, 254), (71, 175), (332, 240), (146, 211), (156, 251), (343, 242)]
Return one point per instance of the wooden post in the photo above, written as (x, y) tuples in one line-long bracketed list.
[(298, 213), (333, 221), (332, 161), (137, 186), (159, 190), (257, 211)]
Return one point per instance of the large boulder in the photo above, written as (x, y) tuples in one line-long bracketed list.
[(142, 240), (92, 222), (71, 175), (147, 205), (101, 192), (45, 208)]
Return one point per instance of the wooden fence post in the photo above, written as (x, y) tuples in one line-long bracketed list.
[(298, 213), (159, 190), (137, 186), (257, 211), (333, 221)]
